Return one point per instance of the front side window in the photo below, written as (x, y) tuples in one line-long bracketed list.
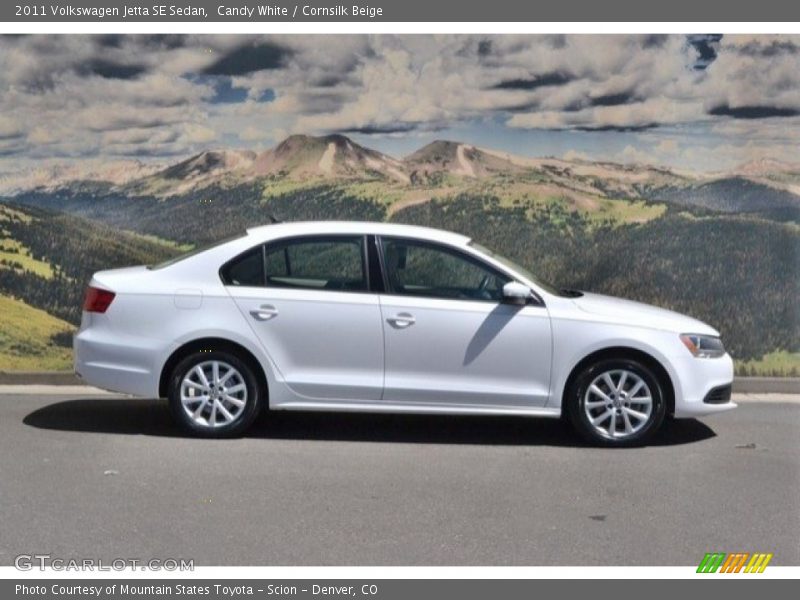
[(520, 269), (415, 268), (317, 263)]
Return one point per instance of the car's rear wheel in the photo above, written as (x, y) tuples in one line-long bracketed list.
[(214, 394), (616, 402)]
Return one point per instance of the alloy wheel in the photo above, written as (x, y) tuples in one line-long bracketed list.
[(618, 404), (213, 393)]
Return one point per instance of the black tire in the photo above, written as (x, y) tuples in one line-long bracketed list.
[(244, 374), (576, 398)]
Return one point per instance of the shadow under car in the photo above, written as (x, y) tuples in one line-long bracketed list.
[(132, 416)]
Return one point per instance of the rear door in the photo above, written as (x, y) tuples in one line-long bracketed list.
[(308, 300)]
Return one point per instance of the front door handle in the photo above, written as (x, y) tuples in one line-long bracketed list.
[(402, 320), (265, 312)]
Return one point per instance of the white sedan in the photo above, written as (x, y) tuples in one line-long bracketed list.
[(338, 316)]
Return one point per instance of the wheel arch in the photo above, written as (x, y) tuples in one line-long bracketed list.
[(624, 352), (212, 343)]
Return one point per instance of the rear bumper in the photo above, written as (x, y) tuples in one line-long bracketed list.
[(119, 364), (702, 384)]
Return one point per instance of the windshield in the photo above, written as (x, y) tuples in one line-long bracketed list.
[(519, 269), (192, 252)]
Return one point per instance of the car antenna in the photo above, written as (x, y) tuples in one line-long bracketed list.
[(273, 219)]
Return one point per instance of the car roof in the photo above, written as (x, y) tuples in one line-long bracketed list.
[(279, 230)]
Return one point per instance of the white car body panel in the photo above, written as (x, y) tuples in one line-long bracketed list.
[(458, 353), (333, 350), (325, 345)]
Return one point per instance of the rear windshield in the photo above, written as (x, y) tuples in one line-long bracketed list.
[(194, 251)]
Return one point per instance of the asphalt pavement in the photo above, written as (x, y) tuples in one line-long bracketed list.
[(102, 476)]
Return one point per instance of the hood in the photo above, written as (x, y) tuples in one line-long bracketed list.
[(640, 314)]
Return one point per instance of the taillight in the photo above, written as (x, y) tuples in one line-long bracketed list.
[(97, 300)]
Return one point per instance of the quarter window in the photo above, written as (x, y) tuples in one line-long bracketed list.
[(245, 270), (416, 268)]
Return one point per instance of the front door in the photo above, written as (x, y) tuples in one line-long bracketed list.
[(450, 339)]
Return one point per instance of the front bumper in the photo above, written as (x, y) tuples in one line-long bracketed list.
[(701, 381), (719, 395)]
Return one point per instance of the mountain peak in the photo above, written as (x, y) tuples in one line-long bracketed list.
[(442, 157), (333, 155), (209, 161), (302, 139), (434, 148)]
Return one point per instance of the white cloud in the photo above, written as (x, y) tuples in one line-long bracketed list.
[(10, 129), (78, 95), (576, 155), (667, 146)]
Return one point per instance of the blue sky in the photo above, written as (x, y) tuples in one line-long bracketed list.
[(704, 102)]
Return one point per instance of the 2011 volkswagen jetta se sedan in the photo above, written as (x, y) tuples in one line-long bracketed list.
[(340, 316)]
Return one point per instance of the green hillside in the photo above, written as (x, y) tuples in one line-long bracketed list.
[(734, 272), (775, 364), (31, 339), (737, 271), (57, 254)]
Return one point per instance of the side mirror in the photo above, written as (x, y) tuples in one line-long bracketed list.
[(516, 293)]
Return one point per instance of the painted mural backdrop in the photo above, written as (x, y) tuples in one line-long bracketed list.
[(660, 168)]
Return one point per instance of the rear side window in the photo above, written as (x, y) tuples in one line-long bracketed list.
[(335, 263), (316, 263), (245, 270)]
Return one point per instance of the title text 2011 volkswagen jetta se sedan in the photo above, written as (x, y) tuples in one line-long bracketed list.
[(379, 317)]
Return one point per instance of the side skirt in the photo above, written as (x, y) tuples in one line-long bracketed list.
[(420, 409)]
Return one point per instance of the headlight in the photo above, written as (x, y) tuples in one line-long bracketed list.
[(703, 346)]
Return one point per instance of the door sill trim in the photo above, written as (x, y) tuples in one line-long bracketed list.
[(438, 409)]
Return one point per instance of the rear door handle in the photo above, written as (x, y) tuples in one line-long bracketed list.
[(401, 320), (265, 312)]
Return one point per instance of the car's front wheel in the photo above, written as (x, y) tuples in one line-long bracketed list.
[(214, 394), (616, 402)]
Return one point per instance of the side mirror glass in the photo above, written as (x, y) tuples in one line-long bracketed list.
[(516, 293)]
